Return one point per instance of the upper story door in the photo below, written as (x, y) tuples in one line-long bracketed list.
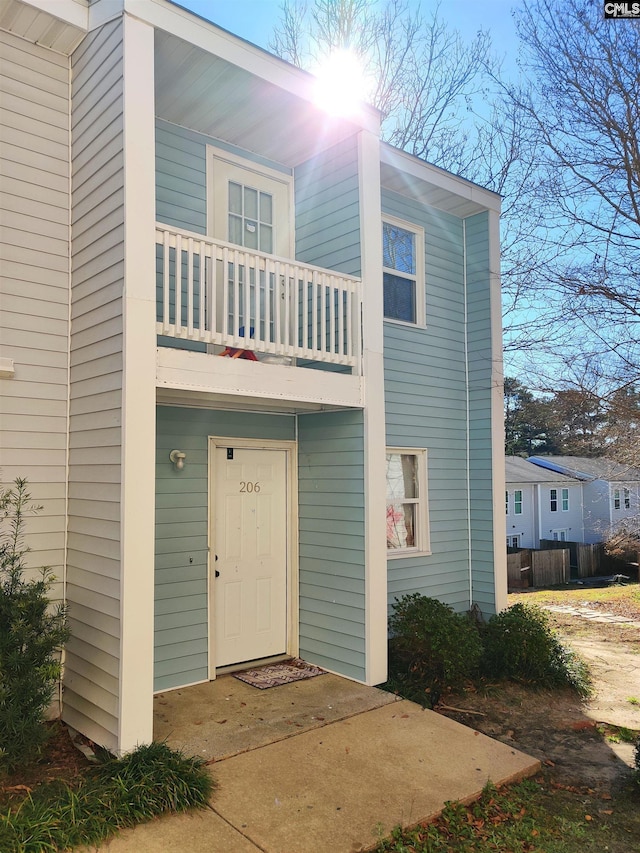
[(249, 206)]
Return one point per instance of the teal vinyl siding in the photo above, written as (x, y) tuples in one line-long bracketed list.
[(331, 520), (327, 206), (181, 627), (480, 373), (181, 165), (425, 401)]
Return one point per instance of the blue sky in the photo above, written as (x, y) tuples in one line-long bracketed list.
[(254, 20)]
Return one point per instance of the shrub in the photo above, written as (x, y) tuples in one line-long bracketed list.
[(432, 648), (520, 644), (31, 634)]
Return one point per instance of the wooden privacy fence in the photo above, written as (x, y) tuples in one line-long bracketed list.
[(549, 568), (538, 568), (590, 560)]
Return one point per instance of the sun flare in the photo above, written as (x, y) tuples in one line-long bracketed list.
[(340, 84)]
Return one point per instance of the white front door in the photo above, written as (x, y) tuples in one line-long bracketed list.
[(249, 561)]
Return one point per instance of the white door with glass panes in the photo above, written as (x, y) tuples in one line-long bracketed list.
[(249, 538), (249, 208)]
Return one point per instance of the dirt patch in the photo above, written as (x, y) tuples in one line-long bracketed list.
[(60, 760), (574, 738)]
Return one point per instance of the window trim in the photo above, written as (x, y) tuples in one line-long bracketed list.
[(420, 294), (423, 531), (564, 500)]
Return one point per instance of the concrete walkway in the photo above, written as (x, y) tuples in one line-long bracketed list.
[(319, 766), (592, 613)]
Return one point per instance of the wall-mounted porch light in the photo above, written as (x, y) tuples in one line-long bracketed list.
[(178, 457)]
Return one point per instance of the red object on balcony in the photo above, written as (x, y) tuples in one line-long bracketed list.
[(239, 353)]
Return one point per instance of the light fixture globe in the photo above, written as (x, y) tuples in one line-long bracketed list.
[(178, 457)]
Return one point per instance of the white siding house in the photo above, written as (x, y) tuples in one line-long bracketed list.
[(541, 504), (250, 358), (611, 492)]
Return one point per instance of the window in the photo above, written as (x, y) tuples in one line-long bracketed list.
[(517, 502), (506, 500), (407, 506), (627, 499), (403, 276), (616, 499), (553, 500), (565, 500), (559, 535), (250, 217), (513, 541)]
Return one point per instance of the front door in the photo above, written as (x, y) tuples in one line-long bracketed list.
[(249, 563)]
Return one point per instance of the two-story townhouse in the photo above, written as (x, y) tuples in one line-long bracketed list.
[(541, 504), (611, 492), (250, 358)]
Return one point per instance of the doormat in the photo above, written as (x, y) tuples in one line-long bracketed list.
[(279, 673)]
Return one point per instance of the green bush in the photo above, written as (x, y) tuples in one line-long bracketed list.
[(31, 634), (432, 648), (520, 644), (121, 792)]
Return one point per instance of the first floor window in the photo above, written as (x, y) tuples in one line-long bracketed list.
[(553, 500), (559, 535), (407, 507), (513, 541)]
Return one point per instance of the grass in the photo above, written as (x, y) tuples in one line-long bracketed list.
[(530, 817), (118, 793), (626, 598)]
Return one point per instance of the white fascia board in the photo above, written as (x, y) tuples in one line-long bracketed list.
[(166, 16), (74, 12), (437, 177)]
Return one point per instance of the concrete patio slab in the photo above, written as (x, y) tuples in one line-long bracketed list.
[(343, 787), (197, 832), (319, 766), (226, 716)]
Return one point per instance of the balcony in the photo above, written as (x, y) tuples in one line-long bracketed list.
[(227, 298)]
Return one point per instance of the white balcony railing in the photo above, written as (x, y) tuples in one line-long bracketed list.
[(220, 294)]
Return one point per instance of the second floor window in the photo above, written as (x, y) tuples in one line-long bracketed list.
[(402, 251), (553, 500), (627, 499), (517, 502), (565, 500)]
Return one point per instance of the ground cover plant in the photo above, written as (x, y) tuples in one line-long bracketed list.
[(114, 794)]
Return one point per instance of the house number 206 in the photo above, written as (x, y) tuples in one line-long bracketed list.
[(248, 486)]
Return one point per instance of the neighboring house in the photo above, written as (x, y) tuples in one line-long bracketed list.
[(610, 492), (541, 504), (202, 511)]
